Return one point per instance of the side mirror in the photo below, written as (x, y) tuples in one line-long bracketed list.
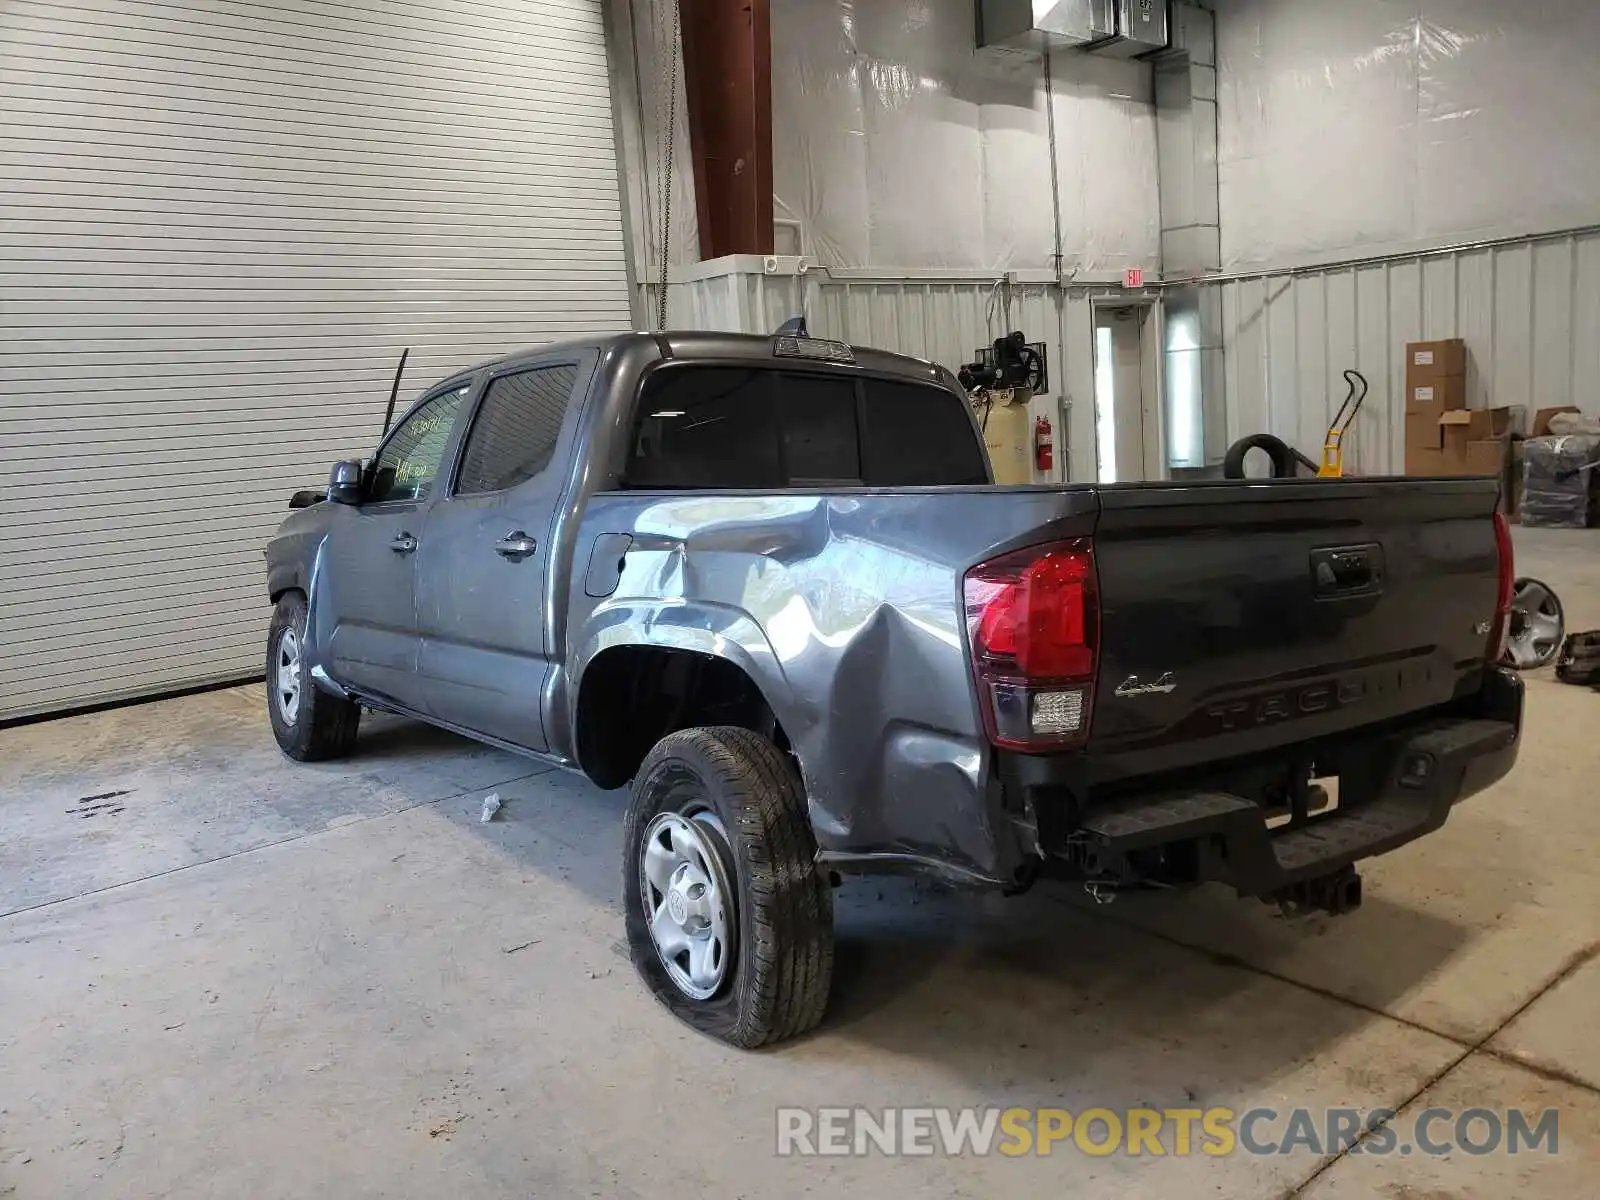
[(344, 482)]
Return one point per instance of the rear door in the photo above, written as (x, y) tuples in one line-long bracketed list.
[(1240, 617), (481, 572)]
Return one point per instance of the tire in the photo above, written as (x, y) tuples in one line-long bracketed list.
[(1285, 461), (736, 803), (317, 726), (1538, 626)]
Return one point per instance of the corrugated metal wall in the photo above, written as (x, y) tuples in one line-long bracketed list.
[(942, 320), (1529, 311), (220, 221)]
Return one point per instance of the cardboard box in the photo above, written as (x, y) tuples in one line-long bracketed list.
[(1541, 419), (1439, 395), (1447, 356), (1421, 461), (1480, 424), (1485, 457), (1434, 360), (1459, 456), (1429, 413), (1423, 431), (1463, 427)]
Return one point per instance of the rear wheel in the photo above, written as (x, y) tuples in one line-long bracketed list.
[(310, 725), (729, 921)]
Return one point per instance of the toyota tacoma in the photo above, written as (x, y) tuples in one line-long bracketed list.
[(770, 583)]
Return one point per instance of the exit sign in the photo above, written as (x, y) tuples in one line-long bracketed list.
[(1133, 277)]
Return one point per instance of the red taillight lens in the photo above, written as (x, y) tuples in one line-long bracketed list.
[(1052, 637), (999, 603), (1501, 628), (1033, 622)]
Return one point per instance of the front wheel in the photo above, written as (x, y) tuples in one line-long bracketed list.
[(729, 921), (310, 725)]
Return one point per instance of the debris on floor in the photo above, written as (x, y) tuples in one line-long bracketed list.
[(491, 805), (1579, 660)]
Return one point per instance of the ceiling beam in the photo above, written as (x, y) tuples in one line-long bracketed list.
[(727, 73)]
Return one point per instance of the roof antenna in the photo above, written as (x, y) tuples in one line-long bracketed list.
[(793, 327), (394, 389)]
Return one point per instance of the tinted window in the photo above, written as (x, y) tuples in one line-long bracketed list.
[(408, 464), (919, 436), (705, 427), (819, 429), (723, 427), (514, 434)]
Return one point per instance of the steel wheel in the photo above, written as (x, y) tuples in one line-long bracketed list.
[(286, 677), (688, 902), (1537, 625)]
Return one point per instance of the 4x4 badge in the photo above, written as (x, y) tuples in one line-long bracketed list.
[(1132, 687)]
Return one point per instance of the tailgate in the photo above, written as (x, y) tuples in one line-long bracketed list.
[(1240, 617)]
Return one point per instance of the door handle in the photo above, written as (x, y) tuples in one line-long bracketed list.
[(516, 546), (403, 543)]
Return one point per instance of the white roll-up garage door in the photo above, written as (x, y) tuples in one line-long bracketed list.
[(220, 223)]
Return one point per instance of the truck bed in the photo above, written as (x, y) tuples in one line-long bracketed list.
[(1236, 619)]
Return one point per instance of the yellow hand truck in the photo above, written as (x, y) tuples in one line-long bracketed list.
[(1333, 442)]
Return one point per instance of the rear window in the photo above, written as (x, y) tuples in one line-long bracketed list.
[(730, 427), (913, 442)]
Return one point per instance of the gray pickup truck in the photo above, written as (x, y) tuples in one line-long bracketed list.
[(770, 582)]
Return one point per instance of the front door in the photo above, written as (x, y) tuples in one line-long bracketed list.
[(481, 571), (365, 594)]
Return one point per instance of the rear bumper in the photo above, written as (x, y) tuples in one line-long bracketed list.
[(1401, 785)]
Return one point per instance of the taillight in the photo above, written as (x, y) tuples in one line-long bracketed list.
[(1501, 629), (1033, 621)]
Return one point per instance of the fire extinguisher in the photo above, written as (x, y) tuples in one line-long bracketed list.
[(1044, 444)]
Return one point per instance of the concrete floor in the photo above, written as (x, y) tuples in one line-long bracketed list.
[(222, 974)]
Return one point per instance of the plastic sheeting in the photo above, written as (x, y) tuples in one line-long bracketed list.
[(644, 71), (898, 144), (1557, 484), (1367, 126)]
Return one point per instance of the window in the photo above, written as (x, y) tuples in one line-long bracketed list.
[(514, 434), (408, 464), (705, 427), (726, 427), (819, 429), (919, 436)]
